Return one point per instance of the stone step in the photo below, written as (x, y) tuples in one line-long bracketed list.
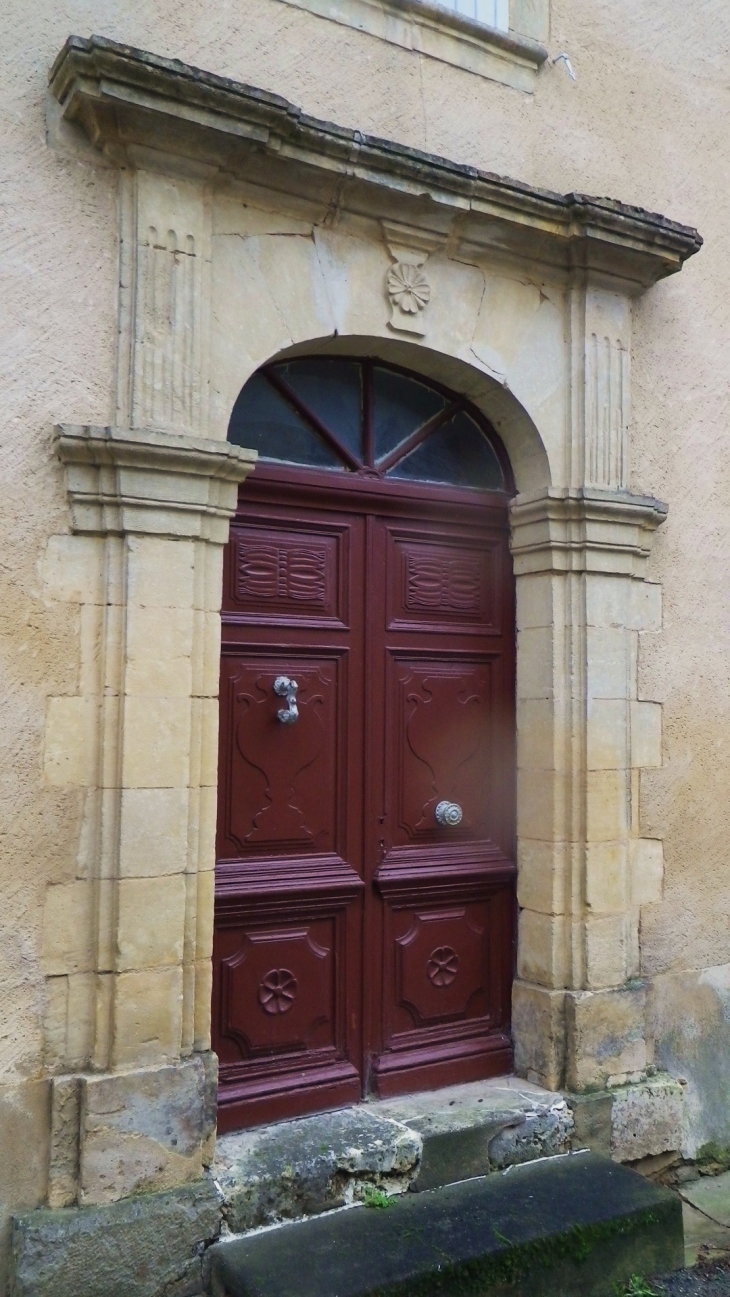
[(314, 1164), (574, 1226)]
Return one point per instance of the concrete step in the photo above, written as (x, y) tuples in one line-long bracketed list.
[(570, 1226), (300, 1168)]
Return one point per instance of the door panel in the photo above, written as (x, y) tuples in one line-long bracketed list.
[(286, 991), (360, 944), (439, 637), (283, 782)]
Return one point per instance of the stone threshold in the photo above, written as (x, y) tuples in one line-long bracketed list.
[(333, 1159)]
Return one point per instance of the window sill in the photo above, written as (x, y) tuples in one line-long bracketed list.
[(438, 33)]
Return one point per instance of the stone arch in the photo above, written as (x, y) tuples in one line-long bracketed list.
[(510, 419)]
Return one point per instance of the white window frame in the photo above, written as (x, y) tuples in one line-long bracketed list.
[(448, 30), (491, 13)]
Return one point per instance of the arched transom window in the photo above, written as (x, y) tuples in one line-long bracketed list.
[(367, 417)]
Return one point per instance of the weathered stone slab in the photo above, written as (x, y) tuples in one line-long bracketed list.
[(575, 1225), (147, 1246), (299, 1168), (146, 1130), (711, 1195), (469, 1130)]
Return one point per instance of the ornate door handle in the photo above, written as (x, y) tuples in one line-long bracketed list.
[(449, 813), (287, 688)]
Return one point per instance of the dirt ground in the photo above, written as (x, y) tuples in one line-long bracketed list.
[(711, 1279)]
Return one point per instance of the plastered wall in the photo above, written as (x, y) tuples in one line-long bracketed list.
[(645, 121)]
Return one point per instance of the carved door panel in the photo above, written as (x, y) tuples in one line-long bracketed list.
[(364, 927), (289, 875), (443, 874)]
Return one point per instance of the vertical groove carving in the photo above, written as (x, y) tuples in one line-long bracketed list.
[(607, 414), (168, 336)]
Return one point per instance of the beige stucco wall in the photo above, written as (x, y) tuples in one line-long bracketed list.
[(645, 122)]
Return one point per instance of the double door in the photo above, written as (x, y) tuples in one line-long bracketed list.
[(364, 918)]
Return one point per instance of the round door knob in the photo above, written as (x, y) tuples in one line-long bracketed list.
[(449, 813)]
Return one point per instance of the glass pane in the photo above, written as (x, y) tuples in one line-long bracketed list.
[(400, 405), (331, 390), (263, 420), (458, 453)]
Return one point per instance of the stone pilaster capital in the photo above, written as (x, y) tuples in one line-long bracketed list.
[(564, 529), (132, 480)]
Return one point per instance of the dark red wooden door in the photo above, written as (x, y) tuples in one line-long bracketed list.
[(364, 921)]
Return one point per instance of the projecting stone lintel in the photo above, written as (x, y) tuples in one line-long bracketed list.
[(129, 100), (584, 529), (122, 480)]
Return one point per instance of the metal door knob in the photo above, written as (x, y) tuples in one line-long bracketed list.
[(449, 813), (287, 688)]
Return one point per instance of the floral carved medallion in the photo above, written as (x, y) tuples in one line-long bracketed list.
[(442, 966), (278, 991), (408, 287), (409, 293)]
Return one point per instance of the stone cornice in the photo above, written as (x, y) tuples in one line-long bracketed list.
[(135, 105), (584, 530), (121, 480)]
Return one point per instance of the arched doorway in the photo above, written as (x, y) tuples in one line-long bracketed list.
[(364, 920)]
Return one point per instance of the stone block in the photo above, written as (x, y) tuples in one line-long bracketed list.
[(156, 743), (592, 1120), (606, 951), (301, 1168), (578, 1225), (607, 805), (646, 871), (208, 757), (691, 1029), (543, 949), (202, 1007), (542, 874), (608, 600), (68, 941), (606, 877), (145, 1131), (153, 832), (142, 1247), (646, 734), (647, 1119), (210, 656), (607, 662), (159, 648), (607, 734), (646, 606), (201, 939), (541, 800), (73, 569), (147, 1017), (605, 1037), (538, 745), (535, 601), (25, 1123), (91, 625), (535, 663), (150, 921), (538, 1030), (160, 573), (63, 1175), (70, 741)]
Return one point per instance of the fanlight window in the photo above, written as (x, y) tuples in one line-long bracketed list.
[(495, 13), (361, 416)]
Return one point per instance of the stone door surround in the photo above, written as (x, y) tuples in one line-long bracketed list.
[(248, 231)]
